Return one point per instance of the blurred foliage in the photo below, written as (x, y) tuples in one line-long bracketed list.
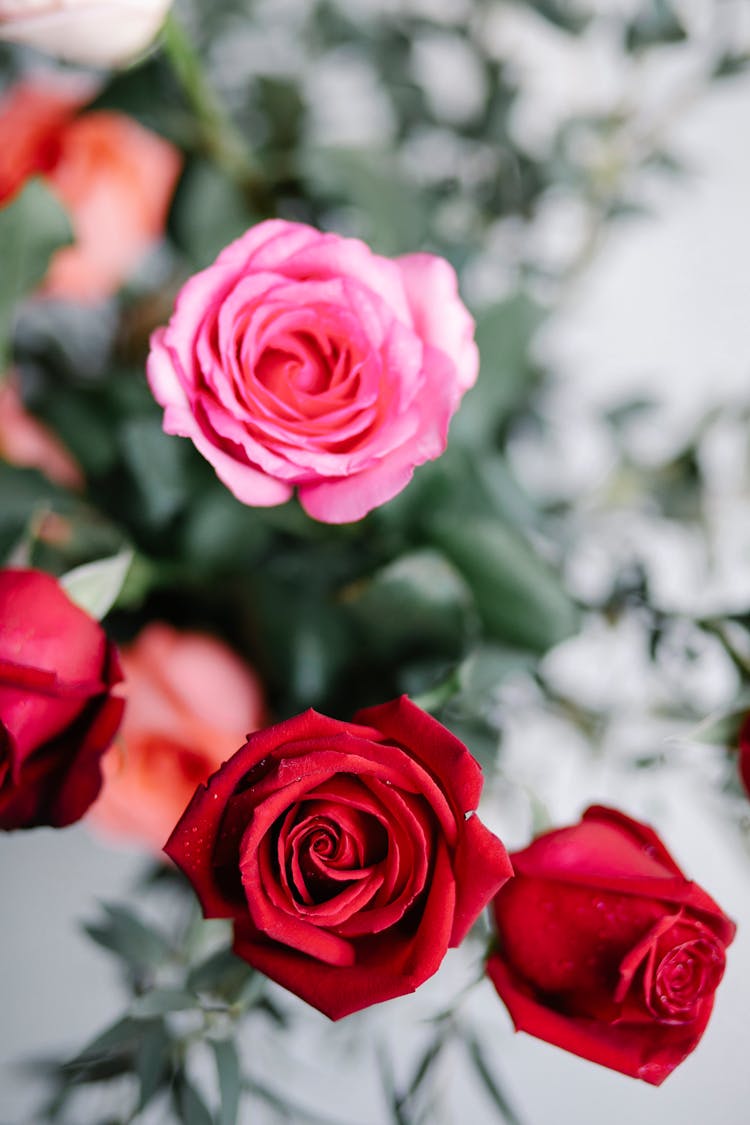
[(354, 116)]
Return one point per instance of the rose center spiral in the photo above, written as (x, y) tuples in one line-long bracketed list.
[(685, 975), (324, 850)]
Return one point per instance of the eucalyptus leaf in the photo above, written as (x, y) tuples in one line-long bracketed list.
[(152, 1060), (230, 1080), (122, 1033), (490, 1082), (223, 973), (161, 1001), (95, 586), (190, 1104)]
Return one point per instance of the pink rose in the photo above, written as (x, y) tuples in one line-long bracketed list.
[(302, 359)]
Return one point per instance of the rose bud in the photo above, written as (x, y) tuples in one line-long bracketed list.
[(96, 32), (303, 360), (190, 703), (605, 949), (114, 177), (346, 854), (57, 711)]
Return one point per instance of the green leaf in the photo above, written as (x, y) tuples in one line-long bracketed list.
[(32, 227), (486, 667), (730, 64), (161, 1001), (424, 1068), (157, 461), (25, 493), (418, 601), (306, 637), (192, 1109), (132, 939), (230, 1079), (121, 1034), (491, 1084), (721, 728), (221, 534), (223, 973), (152, 1061), (520, 599), (82, 420), (658, 25), (95, 586)]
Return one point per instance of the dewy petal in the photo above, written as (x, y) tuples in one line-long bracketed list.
[(392, 963), (193, 841), (610, 851), (481, 866), (427, 740), (640, 1052)]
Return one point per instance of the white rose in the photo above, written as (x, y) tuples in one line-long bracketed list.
[(97, 32)]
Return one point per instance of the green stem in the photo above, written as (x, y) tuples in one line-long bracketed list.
[(219, 137), (717, 628), (437, 697)]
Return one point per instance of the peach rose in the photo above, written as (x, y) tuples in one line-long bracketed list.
[(114, 177), (29, 444), (96, 32), (190, 703)]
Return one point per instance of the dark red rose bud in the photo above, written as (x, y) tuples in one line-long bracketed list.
[(605, 949), (345, 853), (57, 711)]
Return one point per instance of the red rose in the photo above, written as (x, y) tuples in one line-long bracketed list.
[(345, 853), (605, 949), (57, 713), (744, 748)]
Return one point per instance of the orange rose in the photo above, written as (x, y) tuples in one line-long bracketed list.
[(29, 444), (190, 703), (114, 177)]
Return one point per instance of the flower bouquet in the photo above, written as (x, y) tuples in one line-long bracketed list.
[(322, 593)]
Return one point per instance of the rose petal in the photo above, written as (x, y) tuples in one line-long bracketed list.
[(439, 315)]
